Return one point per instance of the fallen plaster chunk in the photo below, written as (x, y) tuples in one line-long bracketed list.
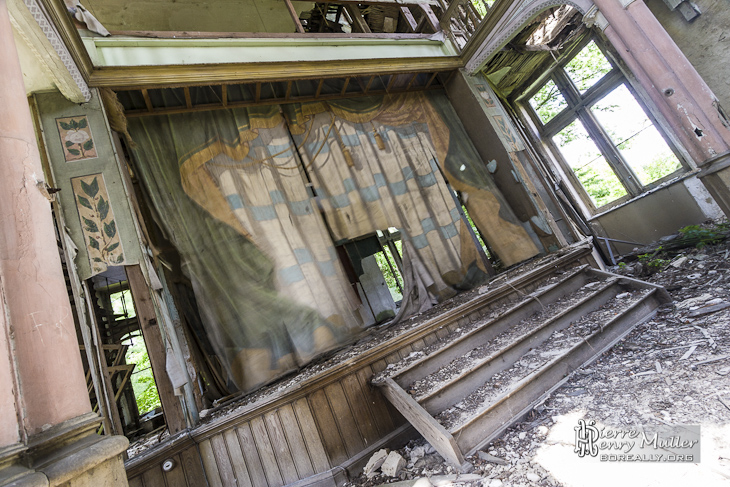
[(375, 462), (393, 464), (678, 262)]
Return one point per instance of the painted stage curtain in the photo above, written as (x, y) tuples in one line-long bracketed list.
[(255, 200)]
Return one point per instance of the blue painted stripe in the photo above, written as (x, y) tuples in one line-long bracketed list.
[(379, 179), (313, 147), (300, 208), (350, 140), (455, 214), (370, 194), (303, 255), (449, 230), (407, 173), (327, 268), (420, 241), (398, 188), (235, 201), (333, 253), (349, 185), (434, 165), (427, 225), (426, 180), (277, 197), (290, 275), (263, 213), (340, 201)]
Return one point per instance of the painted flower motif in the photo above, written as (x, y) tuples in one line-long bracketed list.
[(77, 136)]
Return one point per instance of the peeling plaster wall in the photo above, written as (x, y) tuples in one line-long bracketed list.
[(705, 41), (658, 213)]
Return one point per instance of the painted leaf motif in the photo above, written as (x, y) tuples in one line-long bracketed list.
[(90, 189), (64, 125), (103, 208), (82, 123), (85, 202), (74, 124), (91, 225), (97, 259), (93, 243), (69, 143), (120, 259), (89, 144), (110, 229), (112, 247), (75, 152)]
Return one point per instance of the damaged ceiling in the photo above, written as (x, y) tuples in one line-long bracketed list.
[(535, 49)]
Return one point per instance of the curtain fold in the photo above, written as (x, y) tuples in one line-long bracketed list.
[(256, 199)]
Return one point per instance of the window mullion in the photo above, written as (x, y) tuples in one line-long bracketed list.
[(613, 157)]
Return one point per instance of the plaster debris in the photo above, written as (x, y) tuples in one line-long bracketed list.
[(393, 464), (375, 462)]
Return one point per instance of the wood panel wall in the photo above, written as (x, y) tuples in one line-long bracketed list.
[(336, 419)]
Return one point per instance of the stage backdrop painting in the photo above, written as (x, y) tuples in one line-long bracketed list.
[(255, 200)]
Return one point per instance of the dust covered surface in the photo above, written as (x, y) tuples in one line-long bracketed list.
[(672, 369)]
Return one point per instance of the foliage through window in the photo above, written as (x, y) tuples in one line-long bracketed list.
[(601, 132)]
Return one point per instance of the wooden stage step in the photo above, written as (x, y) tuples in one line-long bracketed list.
[(464, 394)]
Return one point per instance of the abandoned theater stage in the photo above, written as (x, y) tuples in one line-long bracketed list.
[(321, 425)]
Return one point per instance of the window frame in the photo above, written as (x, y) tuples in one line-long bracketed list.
[(579, 108)]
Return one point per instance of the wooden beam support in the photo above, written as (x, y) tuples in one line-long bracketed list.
[(224, 95), (390, 82), (344, 86), (410, 19), (294, 17), (188, 100), (357, 19), (430, 80), (446, 17), (410, 83), (288, 89), (147, 101), (370, 82), (272, 101), (319, 88), (145, 77), (171, 407), (257, 96), (433, 21)]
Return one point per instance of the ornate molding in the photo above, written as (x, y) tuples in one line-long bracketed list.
[(510, 25), (33, 24)]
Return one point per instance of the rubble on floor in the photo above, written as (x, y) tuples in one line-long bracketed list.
[(671, 369)]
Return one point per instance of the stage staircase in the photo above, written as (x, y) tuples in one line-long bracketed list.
[(464, 391)]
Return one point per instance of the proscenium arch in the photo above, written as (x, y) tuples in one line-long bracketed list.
[(511, 24)]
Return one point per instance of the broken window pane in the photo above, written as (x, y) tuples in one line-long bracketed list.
[(588, 164), (588, 67), (635, 136), (548, 102)]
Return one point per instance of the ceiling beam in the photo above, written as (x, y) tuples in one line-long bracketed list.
[(138, 77)]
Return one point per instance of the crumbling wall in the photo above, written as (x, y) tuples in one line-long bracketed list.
[(705, 41)]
